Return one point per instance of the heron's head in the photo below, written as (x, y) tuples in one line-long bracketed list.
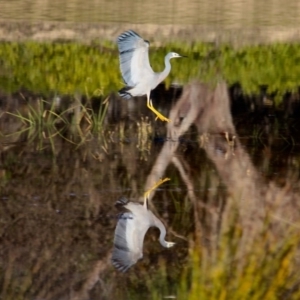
[(169, 244), (174, 55)]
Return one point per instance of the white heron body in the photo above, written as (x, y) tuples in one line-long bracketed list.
[(130, 233), (136, 71)]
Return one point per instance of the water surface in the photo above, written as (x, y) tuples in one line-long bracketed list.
[(225, 14), (58, 193)]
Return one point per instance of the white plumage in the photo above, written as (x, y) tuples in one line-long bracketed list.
[(130, 233), (136, 71)]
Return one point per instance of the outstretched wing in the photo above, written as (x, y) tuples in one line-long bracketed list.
[(126, 251), (134, 58)]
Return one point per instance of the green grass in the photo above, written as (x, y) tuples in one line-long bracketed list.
[(42, 120), (69, 68)]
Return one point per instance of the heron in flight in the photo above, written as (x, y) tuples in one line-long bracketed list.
[(131, 229), (136, 71)]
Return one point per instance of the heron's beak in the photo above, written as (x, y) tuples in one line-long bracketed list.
[(184, 56)]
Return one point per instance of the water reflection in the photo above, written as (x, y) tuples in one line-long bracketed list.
[(57, 192), (131, 229)]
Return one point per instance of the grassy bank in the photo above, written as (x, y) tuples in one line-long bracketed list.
[(68, 68)]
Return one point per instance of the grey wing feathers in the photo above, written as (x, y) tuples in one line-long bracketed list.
[(124, 92), (134, 59), (123, 257), (127, 40), (122, 201)]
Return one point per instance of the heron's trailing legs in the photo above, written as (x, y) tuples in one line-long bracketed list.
[(158, 114), (157, 184)]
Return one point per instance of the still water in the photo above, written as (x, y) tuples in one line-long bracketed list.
[(225, 14), (59, 186)]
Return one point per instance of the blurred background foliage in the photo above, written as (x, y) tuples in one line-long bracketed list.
[(67, 67)]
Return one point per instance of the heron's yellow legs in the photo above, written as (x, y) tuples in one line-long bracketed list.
[(157, 184), (158, 114)]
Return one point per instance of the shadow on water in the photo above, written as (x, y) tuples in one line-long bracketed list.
[(233, 189)]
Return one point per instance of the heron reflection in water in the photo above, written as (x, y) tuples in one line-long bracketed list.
[(131, 229)]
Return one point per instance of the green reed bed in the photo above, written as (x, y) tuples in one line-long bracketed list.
[(41, 119), (66, 68), (63, 68), (77, 73)]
